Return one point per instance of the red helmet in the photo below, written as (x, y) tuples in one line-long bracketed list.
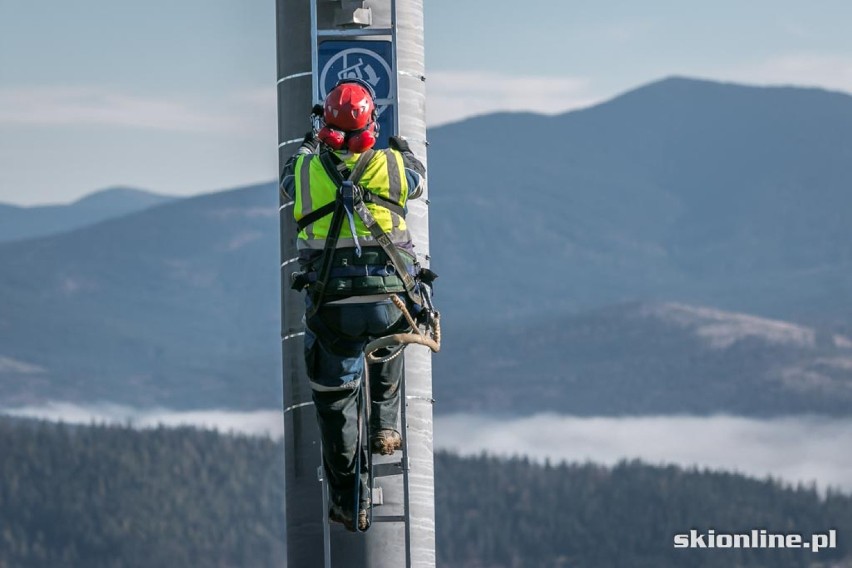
[(349, 113)]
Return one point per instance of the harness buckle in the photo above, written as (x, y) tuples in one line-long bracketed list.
[(350, 196), (349, 190)]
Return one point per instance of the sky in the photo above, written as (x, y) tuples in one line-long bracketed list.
[(179, 97)]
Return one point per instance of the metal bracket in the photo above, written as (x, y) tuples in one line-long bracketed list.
[(353, 14), (376, 496)]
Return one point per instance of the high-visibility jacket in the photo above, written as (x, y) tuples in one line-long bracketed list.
[(384, 176)]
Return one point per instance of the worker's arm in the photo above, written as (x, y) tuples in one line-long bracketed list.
[(310, 145), (287, 183), (415, 171)]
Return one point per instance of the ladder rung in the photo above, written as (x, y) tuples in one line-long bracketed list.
[(389, 518), (355, 32), (387, 469)]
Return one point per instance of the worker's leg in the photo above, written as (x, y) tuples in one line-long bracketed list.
[(334, 343), (385, 388), (385, 381), (335, 377)]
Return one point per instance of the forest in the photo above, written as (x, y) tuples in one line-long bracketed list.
[(114, 496)]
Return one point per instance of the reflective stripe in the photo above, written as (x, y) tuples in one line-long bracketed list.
[(372, 298), (292, 141), (305, 190), (419, 184), (296, 406), (398, 237), (384, 176), (395, 183), (294, 76), (351, 385)]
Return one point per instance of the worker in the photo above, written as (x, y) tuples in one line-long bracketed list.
[(350, 277)]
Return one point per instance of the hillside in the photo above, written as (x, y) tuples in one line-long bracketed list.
[(175, 305), (18, 223), (98, 497), (647, 358), (684, 191)]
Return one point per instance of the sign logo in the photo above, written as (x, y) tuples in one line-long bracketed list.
[(368, 61)]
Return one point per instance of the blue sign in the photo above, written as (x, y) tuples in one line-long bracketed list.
[(369, 61)]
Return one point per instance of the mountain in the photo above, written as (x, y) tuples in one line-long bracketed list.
[(684, 191), (176, 305), (17, 223), (112, 496), (646, 358)]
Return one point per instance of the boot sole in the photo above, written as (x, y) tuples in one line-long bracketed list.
[(363, 521), (386, 446)]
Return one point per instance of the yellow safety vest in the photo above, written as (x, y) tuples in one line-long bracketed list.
[(383, 176)]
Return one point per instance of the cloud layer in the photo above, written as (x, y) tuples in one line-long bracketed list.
[(452, 96), (455, 95), (809, 69), (97, 106), (795, 449)]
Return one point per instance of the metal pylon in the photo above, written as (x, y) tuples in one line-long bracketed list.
[(389, 474)]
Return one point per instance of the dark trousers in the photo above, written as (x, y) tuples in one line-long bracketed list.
[(335, 338)]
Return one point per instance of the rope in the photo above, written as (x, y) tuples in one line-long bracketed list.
[(358, 449), (367, 413), (417, 336)]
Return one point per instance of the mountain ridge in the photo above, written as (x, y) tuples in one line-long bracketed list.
[(179, 303), (647, 358), (28, 222)]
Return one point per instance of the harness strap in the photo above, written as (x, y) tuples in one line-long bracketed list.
[(318, 291), (390, 249), (332, 164), (382, 238), (349, 193), (319, 287), (328, 209), (336, 168), (371, 197), (315, 215)]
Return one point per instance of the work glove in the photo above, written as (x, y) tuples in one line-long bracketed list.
[(310, 144), (316, 119), (399, 144), (411, 162)]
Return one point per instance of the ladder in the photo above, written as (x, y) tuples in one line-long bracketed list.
[(391, 466), (358, 27)]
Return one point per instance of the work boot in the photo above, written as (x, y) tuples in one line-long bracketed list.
[(338, 514), (340, 510), (385, 442)]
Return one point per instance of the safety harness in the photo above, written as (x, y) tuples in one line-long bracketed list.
[(352, 200)]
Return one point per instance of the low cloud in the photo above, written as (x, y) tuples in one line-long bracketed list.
[(794, 449), (455, 95), (255, 423), (244, 112), (809, 69), (92, 106)]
